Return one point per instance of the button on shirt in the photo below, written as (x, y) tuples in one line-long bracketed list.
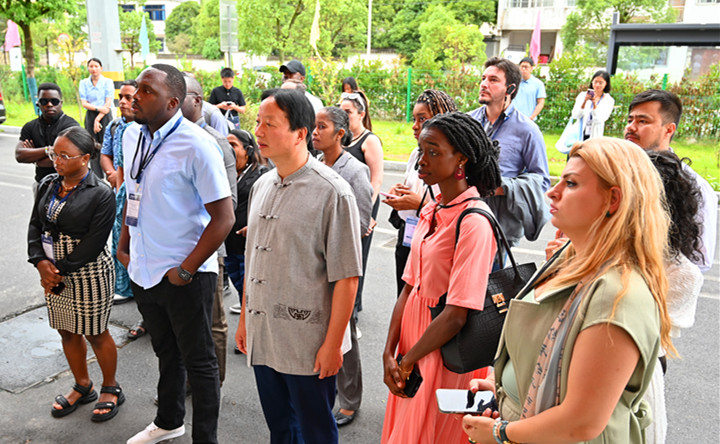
[(96, 94), (522, 147), (303, 236), (186, 173)]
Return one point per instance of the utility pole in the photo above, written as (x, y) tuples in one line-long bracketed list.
[(369, 26), (104, 35)]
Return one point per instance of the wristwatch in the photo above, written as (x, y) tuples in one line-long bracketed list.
[(184, 274)]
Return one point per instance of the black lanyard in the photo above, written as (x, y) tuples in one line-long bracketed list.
[(147, 157)]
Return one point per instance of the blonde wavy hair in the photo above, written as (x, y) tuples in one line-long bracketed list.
[(635, 236)]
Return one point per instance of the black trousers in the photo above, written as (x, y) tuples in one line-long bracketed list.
[(99, 137), (179, 321)]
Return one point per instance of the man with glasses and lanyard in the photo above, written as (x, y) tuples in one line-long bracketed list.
[(38, 136), (178, 212)]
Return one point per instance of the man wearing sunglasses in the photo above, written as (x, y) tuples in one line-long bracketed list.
[(38, 136)]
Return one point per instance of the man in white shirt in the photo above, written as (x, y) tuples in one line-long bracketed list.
[(296, 70), (178, 212)]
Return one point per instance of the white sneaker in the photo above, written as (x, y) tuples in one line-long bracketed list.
[(236, 309), (154, 434), (358, 333)]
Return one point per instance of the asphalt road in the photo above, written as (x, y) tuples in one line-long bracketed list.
[(692, 382)]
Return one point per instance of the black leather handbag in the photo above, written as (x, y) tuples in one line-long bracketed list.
[(475, 345)]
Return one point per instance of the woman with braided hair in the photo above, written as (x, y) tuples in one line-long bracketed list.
[(457, 156), (410, 194)]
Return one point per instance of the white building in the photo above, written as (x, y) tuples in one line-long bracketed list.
[(516, 21), (159, 11)]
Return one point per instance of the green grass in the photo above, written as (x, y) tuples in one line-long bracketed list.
[(398, 142), (18, 114)]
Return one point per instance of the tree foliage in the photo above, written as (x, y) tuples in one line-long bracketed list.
[(590, 23), (130, 23), (282, 27), (179, 27), (206, 30), (25, 13)]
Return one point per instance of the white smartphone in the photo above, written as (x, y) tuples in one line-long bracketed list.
[(388, 195), (464, 401)]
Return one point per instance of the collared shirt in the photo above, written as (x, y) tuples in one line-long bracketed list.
[(234, 95), (186, 173), (215, 118), (437, 265), (96, 94), (529, 92), (44, 134), (303, 236), (357, 174), (112, 142), (522, 147)]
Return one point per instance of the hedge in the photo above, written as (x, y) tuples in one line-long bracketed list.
[(387, 89)]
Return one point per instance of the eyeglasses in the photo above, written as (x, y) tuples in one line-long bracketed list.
[(53, 156), (53, 101)]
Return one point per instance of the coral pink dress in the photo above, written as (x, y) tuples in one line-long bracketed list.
[(436, 266)]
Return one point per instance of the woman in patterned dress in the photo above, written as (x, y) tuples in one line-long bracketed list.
[(67, 242)]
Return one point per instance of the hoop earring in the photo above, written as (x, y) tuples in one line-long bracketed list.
[(459, 173)]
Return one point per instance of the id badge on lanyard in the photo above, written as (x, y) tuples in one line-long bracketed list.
[(132, 208), (47, 244), (410, 225)]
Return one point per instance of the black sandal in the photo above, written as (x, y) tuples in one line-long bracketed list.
[(88, 395), (112, 406), (137, 331)]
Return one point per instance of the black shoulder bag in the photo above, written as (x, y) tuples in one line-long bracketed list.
[(475, 345)]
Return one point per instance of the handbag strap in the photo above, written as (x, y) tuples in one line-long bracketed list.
[(498, 233)]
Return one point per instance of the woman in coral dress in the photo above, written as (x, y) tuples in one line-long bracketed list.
[(455, 154)]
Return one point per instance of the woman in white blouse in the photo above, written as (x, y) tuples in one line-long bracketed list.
[(594, 106)]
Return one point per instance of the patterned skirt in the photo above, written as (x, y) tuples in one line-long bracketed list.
[(83, 307)]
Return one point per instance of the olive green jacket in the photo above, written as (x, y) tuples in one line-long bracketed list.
[(528, 322)]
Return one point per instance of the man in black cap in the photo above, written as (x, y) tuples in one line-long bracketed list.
[(296, 71)]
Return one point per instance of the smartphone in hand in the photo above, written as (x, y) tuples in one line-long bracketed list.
[(464, 401), (388, 195)]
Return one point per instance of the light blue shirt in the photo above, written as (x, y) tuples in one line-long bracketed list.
[(522, 147), (529, 92), (186, 173), (96, 94)]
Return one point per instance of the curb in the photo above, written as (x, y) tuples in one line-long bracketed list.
[(10, 129)]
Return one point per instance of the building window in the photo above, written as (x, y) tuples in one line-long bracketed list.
[(708, 1), (156, 12), (162, 44), (533, 3), (571, 3), (128, 8)]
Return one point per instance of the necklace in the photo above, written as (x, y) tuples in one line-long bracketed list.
[(356, 138), (66, 189)]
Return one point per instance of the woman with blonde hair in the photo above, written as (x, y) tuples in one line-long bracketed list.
[(581, 340)]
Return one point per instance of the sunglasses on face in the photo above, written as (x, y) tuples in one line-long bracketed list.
[(44, 102)]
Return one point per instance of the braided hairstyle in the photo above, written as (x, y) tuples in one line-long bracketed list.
[(438, 102), (467, 135)]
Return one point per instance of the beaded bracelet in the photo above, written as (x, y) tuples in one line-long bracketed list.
[(496, 431)]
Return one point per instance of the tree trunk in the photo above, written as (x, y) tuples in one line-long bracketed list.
[(29, 51)]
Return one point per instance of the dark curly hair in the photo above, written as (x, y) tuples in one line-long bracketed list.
[(467, 135), (682, 201)]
